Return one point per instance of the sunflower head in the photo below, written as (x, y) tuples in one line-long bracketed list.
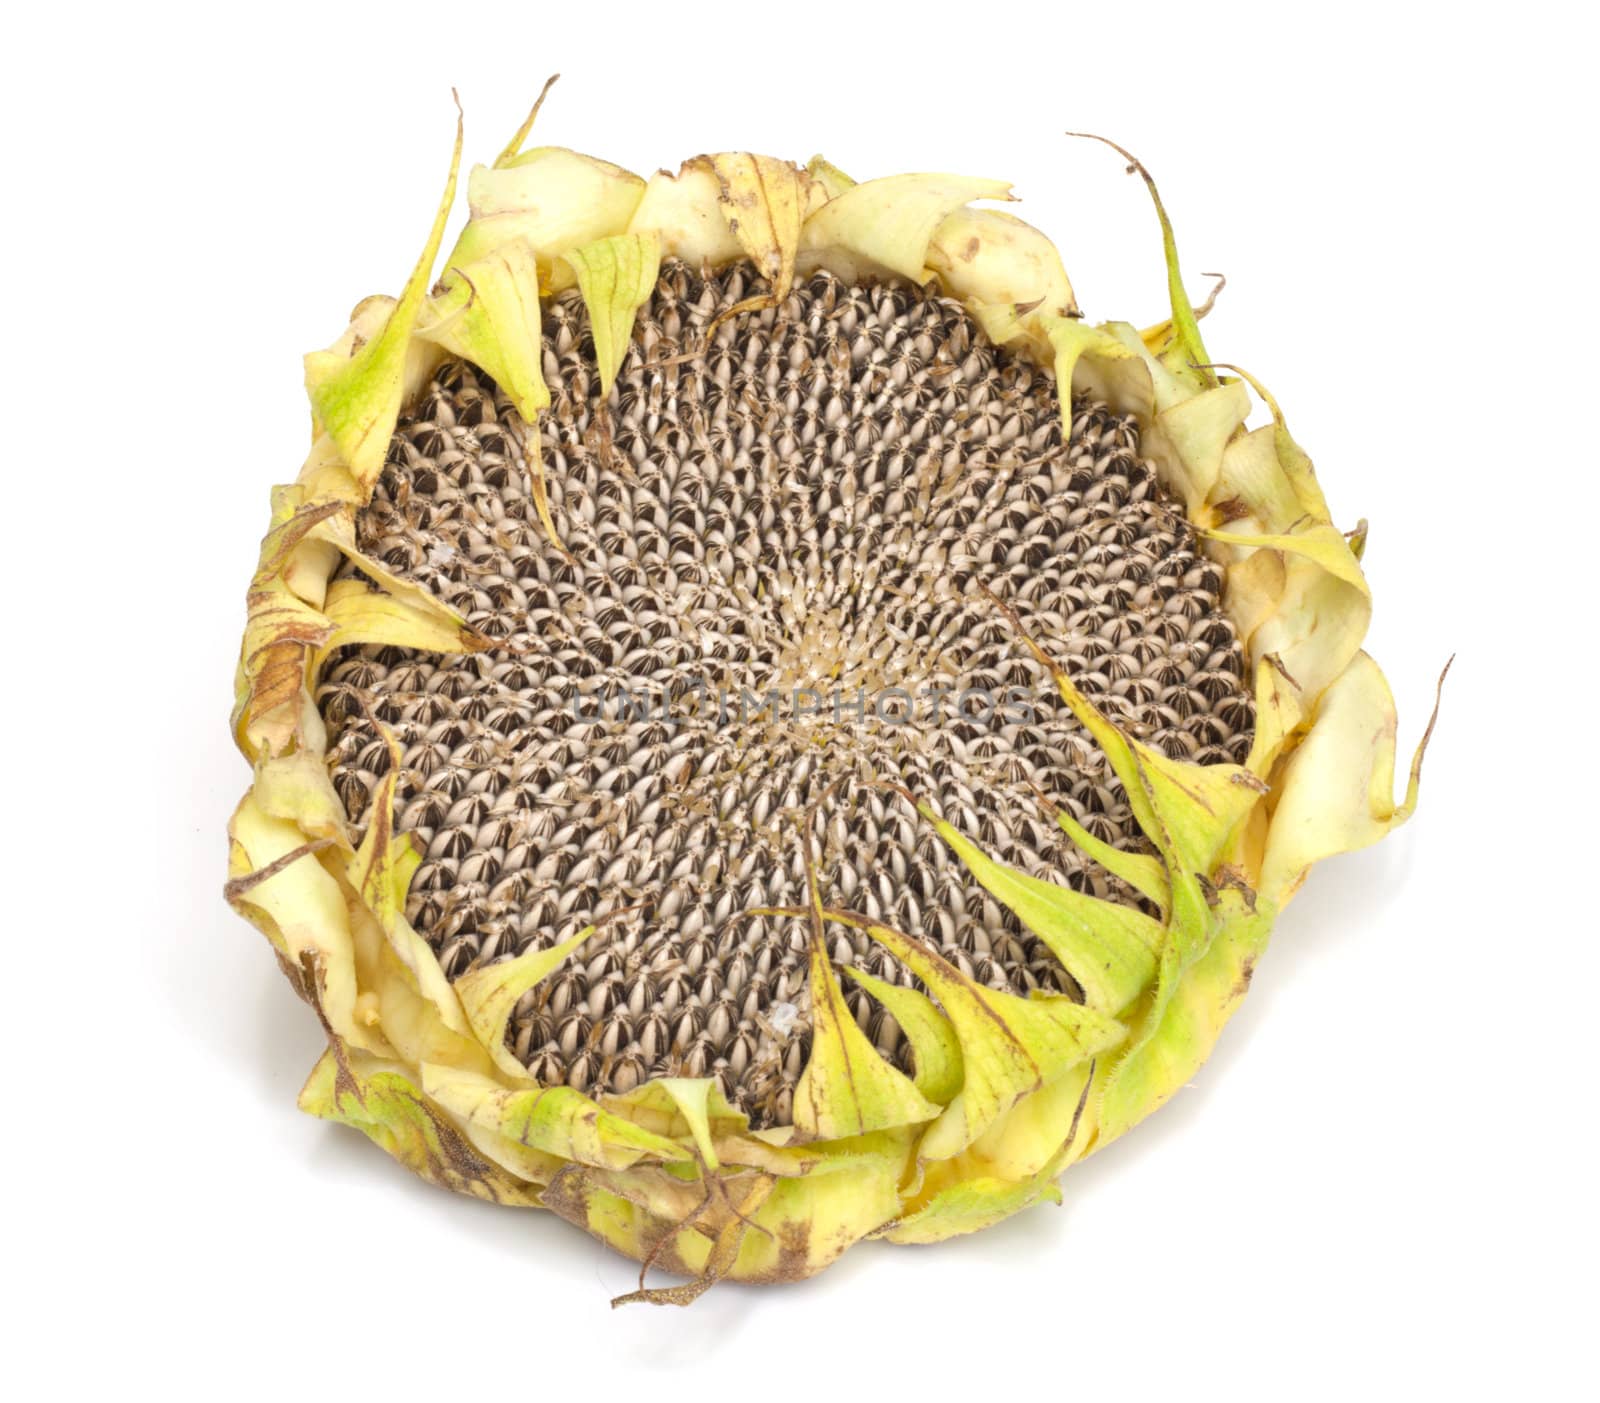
[(768, 727)]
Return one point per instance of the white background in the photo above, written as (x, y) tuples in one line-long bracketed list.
[(1382, 1185)]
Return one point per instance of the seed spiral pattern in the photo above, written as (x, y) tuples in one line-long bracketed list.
[(793, 514)]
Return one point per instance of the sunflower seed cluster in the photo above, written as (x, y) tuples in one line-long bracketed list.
[(792, 509)]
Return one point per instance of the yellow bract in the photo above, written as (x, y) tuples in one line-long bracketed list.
[(488, 314), (763, 200), (488, 995), (552, 198), (616, 276), (356, 386), (992, 258), (890, 223), (847, 1088), (1007, 1092)]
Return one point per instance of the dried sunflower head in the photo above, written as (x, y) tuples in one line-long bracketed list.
[(768, 727)]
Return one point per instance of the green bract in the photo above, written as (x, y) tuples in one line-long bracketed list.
[(1008, 1091)]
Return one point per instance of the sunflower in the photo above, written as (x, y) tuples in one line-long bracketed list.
[(769, 728)]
